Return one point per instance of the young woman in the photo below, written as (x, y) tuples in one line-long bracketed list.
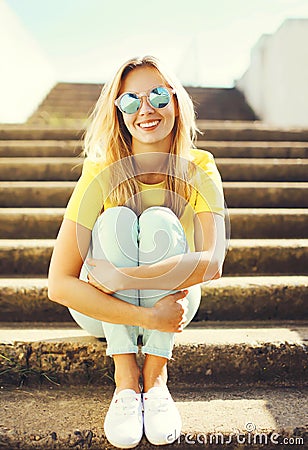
[(142, 230)]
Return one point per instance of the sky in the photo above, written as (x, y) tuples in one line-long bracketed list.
[(204, 42)]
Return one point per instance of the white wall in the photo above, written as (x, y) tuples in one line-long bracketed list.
[(276, 82), (25, 74)]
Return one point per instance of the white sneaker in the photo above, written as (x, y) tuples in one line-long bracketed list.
[(123, 423), (162, 420)]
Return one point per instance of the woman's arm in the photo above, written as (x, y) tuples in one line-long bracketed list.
[(65, 287), (176, 272), (182, 271)]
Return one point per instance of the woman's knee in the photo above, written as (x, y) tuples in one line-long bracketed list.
[(111, 217), (157, 216), (115, 236), (160, 218), (160, 234)]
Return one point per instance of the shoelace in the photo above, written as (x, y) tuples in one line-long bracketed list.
[(126, 406), (157, 404)]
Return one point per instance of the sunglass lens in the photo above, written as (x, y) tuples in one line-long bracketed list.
[(130, 103), (159, 97)]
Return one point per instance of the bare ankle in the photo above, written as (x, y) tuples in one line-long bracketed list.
[(154, 372), (128, 384), (127, 373)]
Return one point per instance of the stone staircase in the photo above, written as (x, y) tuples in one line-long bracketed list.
[(74, 101), (240, 367)]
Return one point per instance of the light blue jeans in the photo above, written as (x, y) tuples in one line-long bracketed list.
[(126, 240)]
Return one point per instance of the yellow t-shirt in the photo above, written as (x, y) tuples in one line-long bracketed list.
[(90, 194)]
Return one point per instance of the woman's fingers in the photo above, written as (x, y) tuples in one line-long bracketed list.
[(91, 280), (179, 295), (183, 312), (97, 285), (94, 282), (90, 262), (170, 312)]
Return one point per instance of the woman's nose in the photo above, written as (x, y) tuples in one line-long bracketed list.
[(145, 106)]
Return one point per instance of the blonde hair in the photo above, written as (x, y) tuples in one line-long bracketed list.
[(107, 140)]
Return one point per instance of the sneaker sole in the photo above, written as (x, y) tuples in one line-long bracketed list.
[(123, 446), (153, 442)]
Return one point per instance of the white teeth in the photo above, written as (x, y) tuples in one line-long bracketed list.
[(149, 124)]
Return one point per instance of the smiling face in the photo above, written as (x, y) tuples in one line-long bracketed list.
[(150, 128)]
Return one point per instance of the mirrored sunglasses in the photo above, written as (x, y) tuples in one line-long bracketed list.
[(130, 102)]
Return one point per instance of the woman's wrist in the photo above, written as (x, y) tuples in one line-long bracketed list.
[(127, 277), (144, 317)]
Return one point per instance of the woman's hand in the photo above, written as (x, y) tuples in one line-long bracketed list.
[(169, 313), (103, 275)]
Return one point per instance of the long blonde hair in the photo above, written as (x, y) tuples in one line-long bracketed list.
[(107, 140)]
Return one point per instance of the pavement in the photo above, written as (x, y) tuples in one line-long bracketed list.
[(55, 417)]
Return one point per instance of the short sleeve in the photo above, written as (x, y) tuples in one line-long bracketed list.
[(87, 199), (207, 183)]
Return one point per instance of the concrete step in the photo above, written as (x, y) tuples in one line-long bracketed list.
[(69, 169), (56, 114), (35, 193), (230, 298), (249, 257), (266, 194), (40, 133), (40, 148), (204, 354), (240, 417), (85, 88), (26, 300), (262, 169), (220, 149), (212, 130), (229, 130), (255, 298), (263, 223), (44, 223), (30, 223), (255, 149), (55, 194), (41, 169)]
